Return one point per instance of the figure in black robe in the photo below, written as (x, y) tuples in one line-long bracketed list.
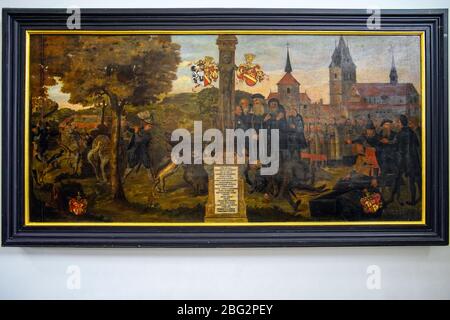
[(388, 156), (137, 150), (409, 162), (296, 140), (280, 124), (239, 119)]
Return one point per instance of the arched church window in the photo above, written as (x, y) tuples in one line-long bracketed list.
[(288, 90)]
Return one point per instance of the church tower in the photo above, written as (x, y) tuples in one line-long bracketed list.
[(289, 87), (342, 74), (393, 76)]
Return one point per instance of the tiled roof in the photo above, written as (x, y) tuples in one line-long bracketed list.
[(304, 97), (288, 78), (364, 106), (273, 95), (385, 89)]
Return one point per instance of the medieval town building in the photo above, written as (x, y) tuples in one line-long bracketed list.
[(288, 92), (84, 122), (342, 74), (357, 100), (348, 98), (328, 126)]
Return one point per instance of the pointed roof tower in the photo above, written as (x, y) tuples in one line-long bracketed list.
[(341, 56), (393, 76), (288, 78), (288, 67)]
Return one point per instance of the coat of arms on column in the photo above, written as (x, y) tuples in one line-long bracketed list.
[(249, 72)]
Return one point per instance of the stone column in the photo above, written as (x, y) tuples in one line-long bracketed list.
[(226, 195), (227, 48)]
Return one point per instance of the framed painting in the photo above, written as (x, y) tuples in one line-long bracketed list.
[(187, 128)]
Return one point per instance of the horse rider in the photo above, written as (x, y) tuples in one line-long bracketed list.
[(138, 147)]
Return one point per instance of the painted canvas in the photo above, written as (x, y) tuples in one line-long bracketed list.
[(199, 128)]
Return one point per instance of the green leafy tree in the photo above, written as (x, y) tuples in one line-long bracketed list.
[(207, 99), (43, 107), (129, 70), (49, 59), (61, 114)]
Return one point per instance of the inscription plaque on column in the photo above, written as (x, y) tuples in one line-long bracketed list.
[(226, 202)]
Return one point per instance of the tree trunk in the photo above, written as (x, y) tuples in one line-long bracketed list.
[(116, 179), (102, 116)]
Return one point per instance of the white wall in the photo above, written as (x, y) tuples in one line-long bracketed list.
[(294, 273)]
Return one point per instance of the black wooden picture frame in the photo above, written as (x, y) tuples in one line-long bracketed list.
[(434, 232)]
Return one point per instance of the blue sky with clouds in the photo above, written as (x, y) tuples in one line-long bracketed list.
[(310, 57)]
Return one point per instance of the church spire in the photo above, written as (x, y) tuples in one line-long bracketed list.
[(393, 76), (341, 56), (288, 67), (342, 41)]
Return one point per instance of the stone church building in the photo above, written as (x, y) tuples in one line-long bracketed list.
[(288, 92), (357, 100), (348, 98)]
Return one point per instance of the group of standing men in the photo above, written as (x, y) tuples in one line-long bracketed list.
[(274, 116), (390, 156)]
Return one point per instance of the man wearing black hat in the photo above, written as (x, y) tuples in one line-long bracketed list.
[(258, 98), (246, 113), (254, 117), (409, 162), (388, 140), (367, 158), (388, 155), (274, 118), (239, 118), (296, 135), (271, 115)]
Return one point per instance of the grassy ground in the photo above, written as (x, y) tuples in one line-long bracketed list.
[(180, 204)]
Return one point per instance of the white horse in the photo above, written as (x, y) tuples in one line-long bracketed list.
[(99, 156)]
